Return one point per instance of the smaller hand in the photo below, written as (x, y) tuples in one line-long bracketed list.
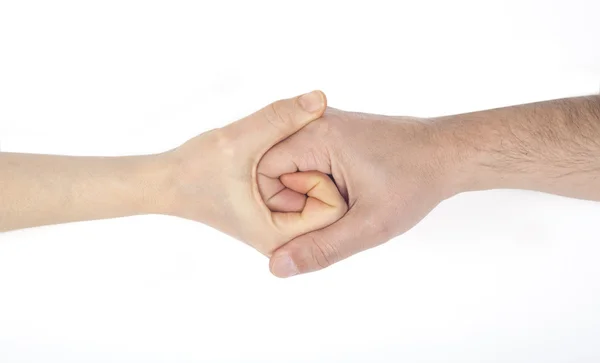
[(214, 178)]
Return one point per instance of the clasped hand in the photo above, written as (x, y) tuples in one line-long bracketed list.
[(215, 179), (309, 185)]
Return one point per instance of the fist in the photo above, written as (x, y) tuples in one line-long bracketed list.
[(215, 179)]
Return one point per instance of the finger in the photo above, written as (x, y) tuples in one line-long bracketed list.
[(319, 249), (316, 185), (278, 197), (258, 132), (324, 204), (305, 150)]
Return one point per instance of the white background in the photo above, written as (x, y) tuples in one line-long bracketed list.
[(487, 277)]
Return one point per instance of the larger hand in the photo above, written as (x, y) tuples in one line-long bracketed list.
[(390, 170)]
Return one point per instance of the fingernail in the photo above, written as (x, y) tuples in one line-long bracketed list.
[(284, 266), (311, 102)]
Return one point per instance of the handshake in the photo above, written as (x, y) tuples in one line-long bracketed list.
[(306, 185)]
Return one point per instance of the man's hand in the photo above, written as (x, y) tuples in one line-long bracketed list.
[(215, 178), (392, 172)]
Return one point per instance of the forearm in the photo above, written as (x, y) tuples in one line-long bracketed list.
[(551, 146), (48, 189)]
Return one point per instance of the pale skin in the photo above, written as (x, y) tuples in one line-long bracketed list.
[(210, 178), (252, 184)]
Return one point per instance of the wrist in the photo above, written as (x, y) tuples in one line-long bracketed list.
[(150, 179), (465, 153)]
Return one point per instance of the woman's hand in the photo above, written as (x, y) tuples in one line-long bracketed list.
[(211, 178), (214, 179)]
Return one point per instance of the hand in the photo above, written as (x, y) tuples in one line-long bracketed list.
[(391, 170), (214, 178)]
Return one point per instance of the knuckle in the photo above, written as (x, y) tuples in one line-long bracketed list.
[(378, 229), (323, 254), (333, 124), (382, 232), (231, 154), (278, 115), (225, 143), (309, 160)]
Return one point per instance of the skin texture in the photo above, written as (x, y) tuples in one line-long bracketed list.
[(210, 178), (274, 176), (394, 170)]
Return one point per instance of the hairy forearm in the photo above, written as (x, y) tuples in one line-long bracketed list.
[(39, 190), (551, 146)]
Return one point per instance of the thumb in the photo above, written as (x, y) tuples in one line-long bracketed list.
[(319, 249), (258, 132)]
